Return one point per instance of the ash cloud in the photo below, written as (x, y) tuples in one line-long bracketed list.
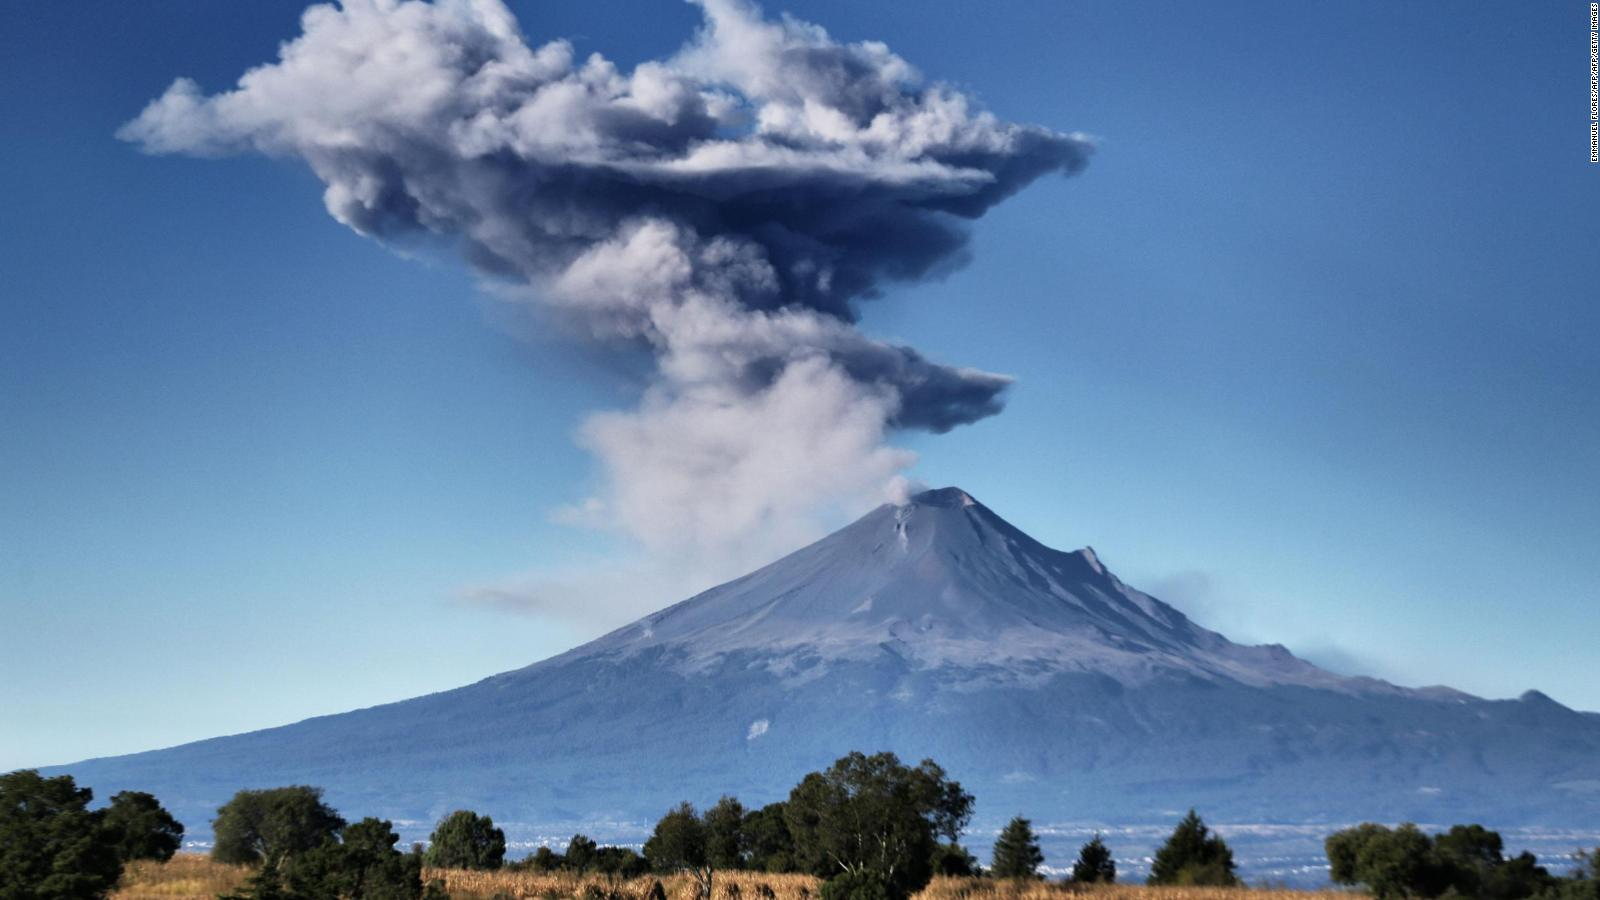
[(724, 210)]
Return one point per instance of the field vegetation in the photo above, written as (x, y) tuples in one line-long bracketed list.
[(196, 875), (866, 828)]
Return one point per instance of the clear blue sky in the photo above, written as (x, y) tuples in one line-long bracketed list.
[(1309, 350)]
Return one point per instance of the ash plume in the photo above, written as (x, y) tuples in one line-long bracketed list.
[(724, 210)]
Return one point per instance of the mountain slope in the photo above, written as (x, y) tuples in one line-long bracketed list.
[(933, 628)]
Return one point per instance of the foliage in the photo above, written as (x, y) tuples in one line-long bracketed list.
[(680, 844), (859, 884), (725, 843), (620, 862), (581, 853), (952, 860), (1193, 856), (52, 846), (1466, 861), (1016, 851), (466, 840), (363, 866), (873, 814), (768, 845), (1094, 864), (144, 828), (541, 860), (1582, 884), (273, 825), (563, 884), (1391, 863)]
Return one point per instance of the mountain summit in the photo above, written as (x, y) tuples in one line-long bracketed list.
[(933, 628), (941, 581)]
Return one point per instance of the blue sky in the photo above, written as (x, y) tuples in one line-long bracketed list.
[(1308, 350)]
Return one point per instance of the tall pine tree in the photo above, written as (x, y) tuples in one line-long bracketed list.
[(1016, 852)]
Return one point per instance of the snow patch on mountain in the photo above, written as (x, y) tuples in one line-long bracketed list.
[(949, 585)]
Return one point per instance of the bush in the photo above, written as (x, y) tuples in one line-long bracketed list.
[(1193, 856), (466, 840), (52, 846), (860, 885)]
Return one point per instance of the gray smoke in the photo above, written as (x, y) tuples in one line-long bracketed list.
[(724, 210)]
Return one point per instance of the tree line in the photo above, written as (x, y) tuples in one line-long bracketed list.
[(870, 826)]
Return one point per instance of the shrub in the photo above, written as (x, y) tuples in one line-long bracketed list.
[(860, 885)]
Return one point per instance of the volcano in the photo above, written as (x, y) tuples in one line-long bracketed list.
[(933, 628)]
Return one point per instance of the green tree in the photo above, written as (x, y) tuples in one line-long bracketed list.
[(269, 826), (874, 816), (581, 852), (1583, 883), (365, 865), (1392, 863), (543, 860), (1016, 851), (145, 829), (679, 844), (725, 843), (1193, 856), (466, 840), (767, 840), (1094, 863), (620, 862), (52, 846)]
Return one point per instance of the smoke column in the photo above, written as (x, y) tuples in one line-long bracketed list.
[(725, 210)]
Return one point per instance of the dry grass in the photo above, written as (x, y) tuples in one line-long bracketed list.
[(194, 875), (992, 889), (563, 885), (185, 875)]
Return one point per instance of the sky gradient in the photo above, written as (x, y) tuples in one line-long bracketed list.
[(1307, 351)]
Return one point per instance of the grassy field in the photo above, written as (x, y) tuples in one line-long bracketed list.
[(194, 875), (186, 875)]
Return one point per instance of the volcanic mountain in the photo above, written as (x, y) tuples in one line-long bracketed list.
[(934, 628)]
